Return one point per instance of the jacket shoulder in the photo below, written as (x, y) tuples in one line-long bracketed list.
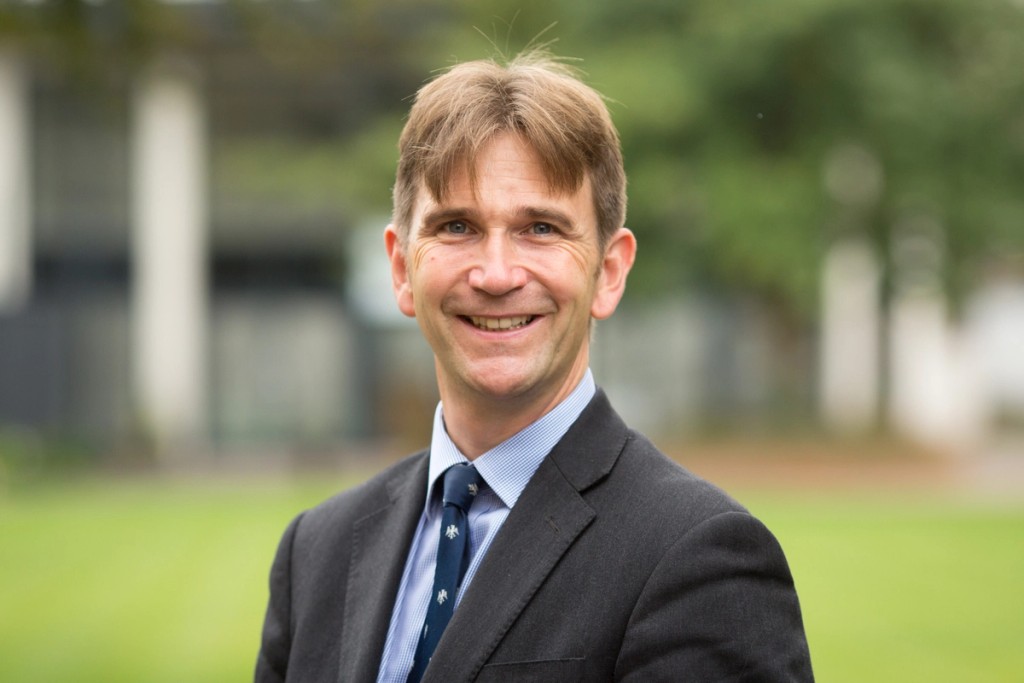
[(363, 499), (668, 485)]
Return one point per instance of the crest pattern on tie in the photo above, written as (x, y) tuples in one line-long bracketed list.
[(461, 485)]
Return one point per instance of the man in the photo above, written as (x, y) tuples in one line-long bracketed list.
[(576, 551)]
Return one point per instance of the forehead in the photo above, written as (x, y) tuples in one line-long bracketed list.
[(506, 170)]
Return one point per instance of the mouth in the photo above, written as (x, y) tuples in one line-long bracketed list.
[(500, 324)]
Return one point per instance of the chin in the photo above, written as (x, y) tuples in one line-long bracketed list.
[(498, 381), (503, 388), (505, 379)]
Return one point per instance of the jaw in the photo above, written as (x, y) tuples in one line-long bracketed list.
[(492, 347), (520, 359)]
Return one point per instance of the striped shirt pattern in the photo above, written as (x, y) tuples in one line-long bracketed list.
[(506, 469)]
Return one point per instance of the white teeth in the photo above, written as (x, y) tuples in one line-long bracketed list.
[(500, 323)]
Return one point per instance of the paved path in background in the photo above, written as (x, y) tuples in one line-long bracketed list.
[(998, 471)]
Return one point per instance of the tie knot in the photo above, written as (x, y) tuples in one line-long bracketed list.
[(461, 484)]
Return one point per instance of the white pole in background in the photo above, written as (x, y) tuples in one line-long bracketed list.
[(169, 298), (850, 328), (15, 184), (936, 397)]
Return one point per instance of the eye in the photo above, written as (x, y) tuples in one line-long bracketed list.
[(455, 227), (542, 229)]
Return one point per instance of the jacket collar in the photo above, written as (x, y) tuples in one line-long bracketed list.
[(381, 541), (550, 516)]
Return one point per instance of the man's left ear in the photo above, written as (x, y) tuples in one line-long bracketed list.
[(611, 280)]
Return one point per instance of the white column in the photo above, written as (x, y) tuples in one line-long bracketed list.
[(849, 350), (169, 298), (918, 346), (935, 397), (15, 184)]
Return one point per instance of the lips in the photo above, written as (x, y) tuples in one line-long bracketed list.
[(498, 324)]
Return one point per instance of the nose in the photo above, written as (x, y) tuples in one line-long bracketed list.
[(496, 270)]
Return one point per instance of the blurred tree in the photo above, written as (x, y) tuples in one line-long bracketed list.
[(754, 132), (304, 98)]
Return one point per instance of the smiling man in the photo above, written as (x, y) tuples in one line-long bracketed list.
[(538, 538), (504, 273)]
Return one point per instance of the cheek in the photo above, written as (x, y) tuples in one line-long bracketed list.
[(433, 274), (574, 270), (416, 259), (429, 259)]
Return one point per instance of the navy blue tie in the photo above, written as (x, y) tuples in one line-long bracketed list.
[(461, 484)]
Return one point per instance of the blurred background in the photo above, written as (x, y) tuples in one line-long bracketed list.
[(198, 337)]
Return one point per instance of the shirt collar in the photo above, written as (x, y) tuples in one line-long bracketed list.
[(508, 467)]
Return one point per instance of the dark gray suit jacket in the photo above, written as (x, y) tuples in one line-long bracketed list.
[(615, 564)]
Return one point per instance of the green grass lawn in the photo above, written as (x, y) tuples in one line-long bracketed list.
[(925, 590), (154, 580)]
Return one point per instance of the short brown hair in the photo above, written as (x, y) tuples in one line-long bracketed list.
[(565, 121)]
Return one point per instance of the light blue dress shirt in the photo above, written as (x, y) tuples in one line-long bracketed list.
[(506, 469)]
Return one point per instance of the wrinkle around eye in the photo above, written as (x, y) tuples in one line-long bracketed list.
[(421, 252)]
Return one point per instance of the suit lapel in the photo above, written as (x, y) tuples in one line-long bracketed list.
[(380, 544), (547, 519)]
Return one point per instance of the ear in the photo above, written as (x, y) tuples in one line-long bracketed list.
[(611, 279), (399, 272)]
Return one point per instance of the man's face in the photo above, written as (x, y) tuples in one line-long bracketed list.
[(504, 280)]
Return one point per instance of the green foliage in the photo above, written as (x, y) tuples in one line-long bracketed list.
[(731, 113), (27, 458)]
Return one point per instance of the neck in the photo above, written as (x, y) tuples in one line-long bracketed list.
[(477, 424)]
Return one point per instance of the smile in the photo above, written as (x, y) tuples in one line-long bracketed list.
[(493, 324)]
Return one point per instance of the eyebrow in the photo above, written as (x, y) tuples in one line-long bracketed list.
[(443, 215)]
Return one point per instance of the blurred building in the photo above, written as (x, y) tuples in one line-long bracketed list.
[(166, 289), (191, 254), (158, 280)]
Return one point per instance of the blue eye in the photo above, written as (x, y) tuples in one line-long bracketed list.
[(456, 228), (542, 229)]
